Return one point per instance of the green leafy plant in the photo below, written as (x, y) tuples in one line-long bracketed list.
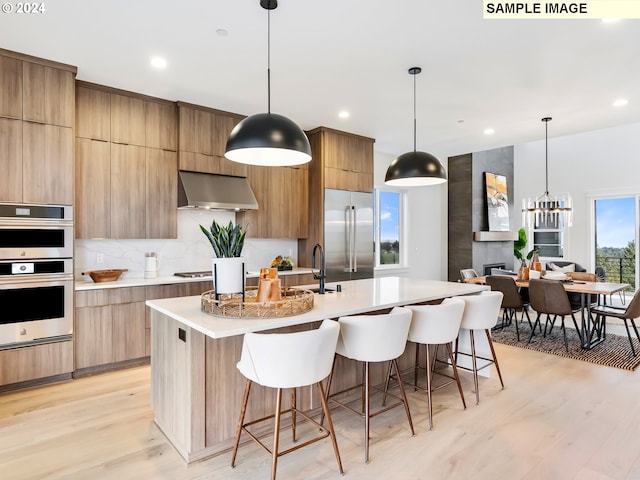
[(520, 244), (227, 242)]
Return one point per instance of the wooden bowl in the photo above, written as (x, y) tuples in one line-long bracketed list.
[(105, 275)]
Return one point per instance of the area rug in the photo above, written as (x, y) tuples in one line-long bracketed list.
[(615, 351)]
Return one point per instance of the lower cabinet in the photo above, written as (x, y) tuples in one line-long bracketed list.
[(112, 325), (36, 362), (109, 326)]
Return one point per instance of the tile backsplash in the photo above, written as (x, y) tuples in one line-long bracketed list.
[(191, 251)]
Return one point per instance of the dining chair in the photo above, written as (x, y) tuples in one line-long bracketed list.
[(548, 297), (467, 273), (511, 301), (288, 361), (576, 298), (630, 313)]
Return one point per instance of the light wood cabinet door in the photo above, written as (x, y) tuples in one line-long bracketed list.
[(47, 159), (161, 185), (223, 124), (161, 125), (93, 336), (10, 160), (93, 114), (48, 95), (93, 189), (128, 198), (10, 87), (34, 362), (257, 221), (129, 335), (127, 120), (195, 130)]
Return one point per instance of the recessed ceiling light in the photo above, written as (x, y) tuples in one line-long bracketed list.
[(343, 114), (610, 20), (159, 63), (621, 102), (489, 131), (222, 32)]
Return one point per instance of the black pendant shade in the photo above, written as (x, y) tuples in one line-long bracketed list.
[(268, 139), (415, 169)]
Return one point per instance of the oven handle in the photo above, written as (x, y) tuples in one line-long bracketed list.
[(12, 280)]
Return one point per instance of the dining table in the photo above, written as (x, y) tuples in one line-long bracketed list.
[(592, 330)]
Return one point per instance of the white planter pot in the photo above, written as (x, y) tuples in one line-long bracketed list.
[(228, 274)]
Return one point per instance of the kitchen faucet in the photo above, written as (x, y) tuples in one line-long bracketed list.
[(321, 275)]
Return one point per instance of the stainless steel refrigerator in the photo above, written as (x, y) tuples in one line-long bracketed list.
[(348, 235)]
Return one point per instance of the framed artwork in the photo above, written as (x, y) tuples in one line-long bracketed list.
[(497, 202)]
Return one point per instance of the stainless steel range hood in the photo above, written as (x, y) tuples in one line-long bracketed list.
[(218, 192)]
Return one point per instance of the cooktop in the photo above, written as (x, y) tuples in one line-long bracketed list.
[(206, 273)]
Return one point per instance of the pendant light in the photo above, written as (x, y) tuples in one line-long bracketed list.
[(546, 211), (415, 168), (268, 139)]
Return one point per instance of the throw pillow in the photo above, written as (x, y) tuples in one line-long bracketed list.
[(568, 268)]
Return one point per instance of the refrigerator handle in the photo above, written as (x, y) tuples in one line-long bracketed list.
[(355, 230), (347, 239)]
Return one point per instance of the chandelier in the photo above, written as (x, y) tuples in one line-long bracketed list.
[(547, 211)]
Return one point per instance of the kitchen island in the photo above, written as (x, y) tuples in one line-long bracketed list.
[(195, 386)]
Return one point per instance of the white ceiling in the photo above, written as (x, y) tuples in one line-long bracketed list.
[(348, 54)]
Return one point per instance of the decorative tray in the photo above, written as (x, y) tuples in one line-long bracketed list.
[(294, 302)]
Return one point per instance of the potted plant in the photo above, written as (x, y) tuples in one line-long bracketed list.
[(228, 264), (519, 246)]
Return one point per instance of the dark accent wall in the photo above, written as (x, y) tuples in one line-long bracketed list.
[(468, 212)]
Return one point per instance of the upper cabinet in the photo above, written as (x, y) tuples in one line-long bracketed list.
[(203, 138), (36, 130), (126, 163), (345, 161)]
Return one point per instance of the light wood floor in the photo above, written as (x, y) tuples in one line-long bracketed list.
[(556, 419)]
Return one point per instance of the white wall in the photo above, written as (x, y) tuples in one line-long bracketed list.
[(425, 226), (584, 165)]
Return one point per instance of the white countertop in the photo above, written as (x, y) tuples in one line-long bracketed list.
[(357, 296), (126, 281)]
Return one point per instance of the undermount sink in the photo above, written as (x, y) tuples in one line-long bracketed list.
[(326, 289)]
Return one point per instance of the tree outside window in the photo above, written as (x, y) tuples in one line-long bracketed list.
[(388, 227)]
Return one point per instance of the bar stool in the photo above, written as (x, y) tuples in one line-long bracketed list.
[(373, 338), (288, 360), (436, 325), (480, 313)]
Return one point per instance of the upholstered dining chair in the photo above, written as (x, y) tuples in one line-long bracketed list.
[(576, 298), (548, 297), (630, 313), (467, 273), (511, 301)]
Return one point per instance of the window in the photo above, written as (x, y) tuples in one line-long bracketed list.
[(388, 228), (615, 238)]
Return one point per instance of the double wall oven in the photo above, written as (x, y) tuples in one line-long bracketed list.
[(36, 274)]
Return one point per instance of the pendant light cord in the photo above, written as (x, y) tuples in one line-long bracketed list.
[(546, 155), (415, 123), (268, 61)]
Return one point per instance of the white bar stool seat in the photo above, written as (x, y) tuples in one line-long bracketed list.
[(480, 313), (288, 360), (373, 338), (436, 325)]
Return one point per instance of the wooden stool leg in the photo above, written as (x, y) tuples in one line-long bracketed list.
[(493, 354), (404, 398), (293, 413), (429, 379), (455, 374), (243, 410), (475, 366), (332, 433), (276, 435)]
